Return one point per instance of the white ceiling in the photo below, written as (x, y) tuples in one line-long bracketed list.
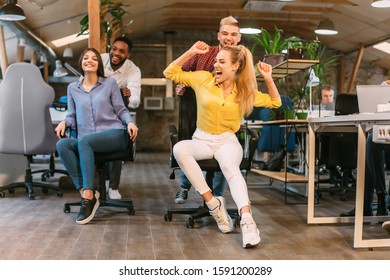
[(357, 22)]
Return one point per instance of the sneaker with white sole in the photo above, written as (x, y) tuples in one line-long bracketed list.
[(250, 232), (386, 226), (114, 194), (221, 216), (181, 196), (88, 209), (107, 183)]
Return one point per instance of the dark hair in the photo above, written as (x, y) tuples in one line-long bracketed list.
[(100, 70), (125, 40)]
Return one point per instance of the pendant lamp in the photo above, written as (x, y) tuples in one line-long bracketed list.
[(326, 27), (12, 11)]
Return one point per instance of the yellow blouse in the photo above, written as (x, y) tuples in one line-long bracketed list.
[(215, 113)]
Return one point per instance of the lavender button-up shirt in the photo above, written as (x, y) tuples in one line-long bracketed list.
[(98, 110)]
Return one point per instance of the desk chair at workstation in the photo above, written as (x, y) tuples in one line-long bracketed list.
[(25, 124), (187, 126), (338, 150)]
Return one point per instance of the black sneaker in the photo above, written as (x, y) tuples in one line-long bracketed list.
[(181, 196), (88, 209)]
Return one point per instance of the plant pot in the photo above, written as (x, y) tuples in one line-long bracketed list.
[(290, 114), (301, 115), (273, 59), (295, 53)]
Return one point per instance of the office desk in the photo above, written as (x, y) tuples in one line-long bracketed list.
[(285, 176), (360, 123)]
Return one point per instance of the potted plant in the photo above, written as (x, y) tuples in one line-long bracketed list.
[(295, 47), (299, 93), (273, 45)]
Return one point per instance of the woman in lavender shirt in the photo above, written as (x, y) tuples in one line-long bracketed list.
[(103, 124)]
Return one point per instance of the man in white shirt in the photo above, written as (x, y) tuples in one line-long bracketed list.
[(117, 64)]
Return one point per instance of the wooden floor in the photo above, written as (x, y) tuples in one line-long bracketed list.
[(40, 230)]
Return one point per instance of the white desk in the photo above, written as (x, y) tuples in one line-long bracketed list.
[(360, 123)]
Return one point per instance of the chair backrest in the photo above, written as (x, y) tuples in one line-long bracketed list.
[(346, 104), (272, 137), (25, 123), (187, 114)]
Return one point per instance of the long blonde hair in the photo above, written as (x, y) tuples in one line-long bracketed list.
[(245, 77)]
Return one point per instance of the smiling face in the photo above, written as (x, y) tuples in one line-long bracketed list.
[(224, 69), (90, 62), (118, 54), (229, 35)]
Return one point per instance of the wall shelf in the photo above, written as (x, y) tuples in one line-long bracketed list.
[(290, 67)]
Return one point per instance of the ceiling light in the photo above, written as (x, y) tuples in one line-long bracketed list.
[(326, 27), (250, 30), (11, 11), (68, 52), (381, 3), (60, 70), (69, 40), (384, 47)]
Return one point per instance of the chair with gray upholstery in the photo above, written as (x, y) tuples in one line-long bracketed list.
[(25, 124)]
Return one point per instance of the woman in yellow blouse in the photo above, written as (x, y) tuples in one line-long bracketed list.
[(223, 98)]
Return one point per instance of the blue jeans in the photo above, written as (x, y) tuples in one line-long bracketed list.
[(219, 183), (77, 155)]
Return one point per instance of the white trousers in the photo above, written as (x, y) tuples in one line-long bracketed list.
[(226, 149)]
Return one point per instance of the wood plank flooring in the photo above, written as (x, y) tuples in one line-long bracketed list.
[(40, 230)]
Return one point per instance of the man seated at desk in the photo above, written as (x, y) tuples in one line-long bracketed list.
[(326, 98), (375, 179)]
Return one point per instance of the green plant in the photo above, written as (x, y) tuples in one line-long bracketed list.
[(299, 93), (316, 52), (272, 44), (295, 43), (111, 15)]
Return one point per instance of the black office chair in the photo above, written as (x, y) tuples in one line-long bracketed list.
[(101, 159), (187, 125), (338, 150)]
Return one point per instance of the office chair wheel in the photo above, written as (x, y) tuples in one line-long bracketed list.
[(131, 211), (190, 223), (31, 196), (44, 176), (66, 208), (59, 194), (168, 217), (2, 194)]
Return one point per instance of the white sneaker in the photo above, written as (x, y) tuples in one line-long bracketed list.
[(114, 194), (107, 183), (221, 216), (250, 232), (386, 226)]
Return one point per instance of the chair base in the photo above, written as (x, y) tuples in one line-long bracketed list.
[(198, 213), (49, 172), (29, 184), (29, 188)]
